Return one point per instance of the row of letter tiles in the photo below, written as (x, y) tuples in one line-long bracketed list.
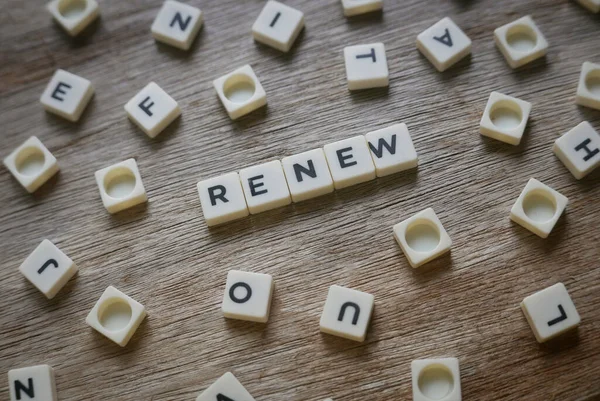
[(306, 175), (32, 383)]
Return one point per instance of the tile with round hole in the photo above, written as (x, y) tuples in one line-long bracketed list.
[(36, 383), (67, 95), (152, 109), (116, 316), (357, 7), (436, 379), (247, 296), (226, 388), (121, 186), (520, 42), (505, 118), (588, 89), (444, 44), (31, 164), (240, 92), (538, 208), (366, 66), (579, 149), (347, 313), (278, 25), (592, 5), (74, 15), (177, 24), (222, 199)]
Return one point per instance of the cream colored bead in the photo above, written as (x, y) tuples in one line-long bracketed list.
[(121, 186), (588, 89), (521, 42), (74, 15), (505, 118), (31, 164), (240, 92), (436, 379)]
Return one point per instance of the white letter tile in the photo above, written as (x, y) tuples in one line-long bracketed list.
[(31, 164), (366, 66), (505, 118), (307, 175), (347, 313), (225, 389), (247, 296), (73, 15), (588, 90), (436, 379), (520, 42), (152, 109), (356, 7), (278, 25), (579, 149), (444, 44), (349, 161), (222, 199), (121, 186), (240, 92), (392, 149), (265, 187), (67, 95), (33, 383), (177, 24)]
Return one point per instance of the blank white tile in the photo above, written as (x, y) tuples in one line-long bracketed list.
[(33, 383), (550, 312), (240, 92), (116, 316), (177, 24), (356, 7), (121, 186), (48, 268), (588, 89), (422, 237), (247, 296), (538, 208), (592, 5), (520, 42), (579, 149), (278, 25), (307, 175), (436, 379), (222, 199), (392, 149), (31, 164), (505, 118), (225, 389), (265, 187), (152, 109), (349, 162), (347, 313), (366, 66), (73, 15), (444, 44), (67, 95)]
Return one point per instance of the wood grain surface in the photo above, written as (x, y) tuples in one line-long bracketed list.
[(163, 255)]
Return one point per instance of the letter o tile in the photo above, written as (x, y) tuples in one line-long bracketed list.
[(247, 296)]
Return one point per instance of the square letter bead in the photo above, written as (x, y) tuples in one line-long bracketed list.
[(588, 90), (222, 199), (278, 25), (444, 44), (121, 186), (347, 313), (436, 379), (520, 42), (177, 24), (550, 312), (349, 162), (392, 149), (31, 164), (224, 389), (307, 175), (34, 383), (116, 315), (356, 7), (152, 109), (247, 296), (67, 95), (265, 187), (366, 66), (48, 268), (538, 208), (592, 5), (73, 15), (505, 118), (240, 92), (422, 237), (579, 149)]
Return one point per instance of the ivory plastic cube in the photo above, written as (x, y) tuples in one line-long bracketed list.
[(366, 66), (240, 92), (505, 118), (538, 208), (588, 90), (35, 383), (265, 187), (520, 42), (436, 379), (278, 25), (74, 15), (422, 237), (307, 175), (31, 164), (247, 296), (592, 5), (116, 316), (48, 268), (177, 24), (67, 95), (550, 312), (121, 186), (444, 44), (356, 7), (225, 389), (349, 161), (392, 149), (347, 313), (579, 149), (152, 109), (222, 199)]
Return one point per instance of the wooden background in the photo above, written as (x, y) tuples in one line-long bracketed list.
[(464, 305)]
